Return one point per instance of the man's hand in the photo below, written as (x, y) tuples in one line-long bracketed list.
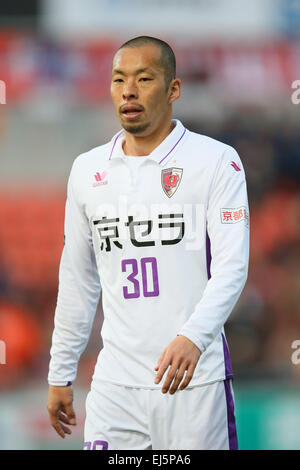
[(181, 355), (60, 409)]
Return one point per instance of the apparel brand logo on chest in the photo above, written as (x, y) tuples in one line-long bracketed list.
[(100, 178), (170, 180)]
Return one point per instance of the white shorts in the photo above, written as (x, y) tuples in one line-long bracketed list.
[(119, 418)]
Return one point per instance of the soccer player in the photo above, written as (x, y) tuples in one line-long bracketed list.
[(157, 218)]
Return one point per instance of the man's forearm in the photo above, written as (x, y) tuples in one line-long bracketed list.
[(72, 325)]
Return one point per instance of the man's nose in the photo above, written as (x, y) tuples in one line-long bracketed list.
[(130, 90)]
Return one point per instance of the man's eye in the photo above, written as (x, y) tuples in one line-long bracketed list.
[(118, 80), (144, 79)]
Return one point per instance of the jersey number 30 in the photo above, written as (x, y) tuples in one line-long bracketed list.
[(135, 286)]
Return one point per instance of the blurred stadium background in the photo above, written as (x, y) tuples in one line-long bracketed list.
[(238, 61)]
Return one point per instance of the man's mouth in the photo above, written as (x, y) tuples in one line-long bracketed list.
[(131, 111)]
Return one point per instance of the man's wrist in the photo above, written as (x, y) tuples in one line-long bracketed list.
[(193, 338)]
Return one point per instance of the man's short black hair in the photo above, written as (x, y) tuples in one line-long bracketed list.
[(167, 58)]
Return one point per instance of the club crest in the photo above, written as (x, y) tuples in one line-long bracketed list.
[(170, 180)]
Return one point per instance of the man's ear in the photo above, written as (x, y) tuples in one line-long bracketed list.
[(174, 90)]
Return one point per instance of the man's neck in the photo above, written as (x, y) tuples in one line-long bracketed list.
[(138, 146)]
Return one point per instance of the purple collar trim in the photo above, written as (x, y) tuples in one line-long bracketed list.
[(116, 138), (175, 145)]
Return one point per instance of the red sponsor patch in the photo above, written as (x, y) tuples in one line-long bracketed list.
[(234, 215)]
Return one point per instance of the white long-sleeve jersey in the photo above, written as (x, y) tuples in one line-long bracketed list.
[(169, 246)]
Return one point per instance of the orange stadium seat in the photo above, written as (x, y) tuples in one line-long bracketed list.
[(23, 338), (31, 235)]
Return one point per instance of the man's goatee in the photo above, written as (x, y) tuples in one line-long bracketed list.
[(136, 129)]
